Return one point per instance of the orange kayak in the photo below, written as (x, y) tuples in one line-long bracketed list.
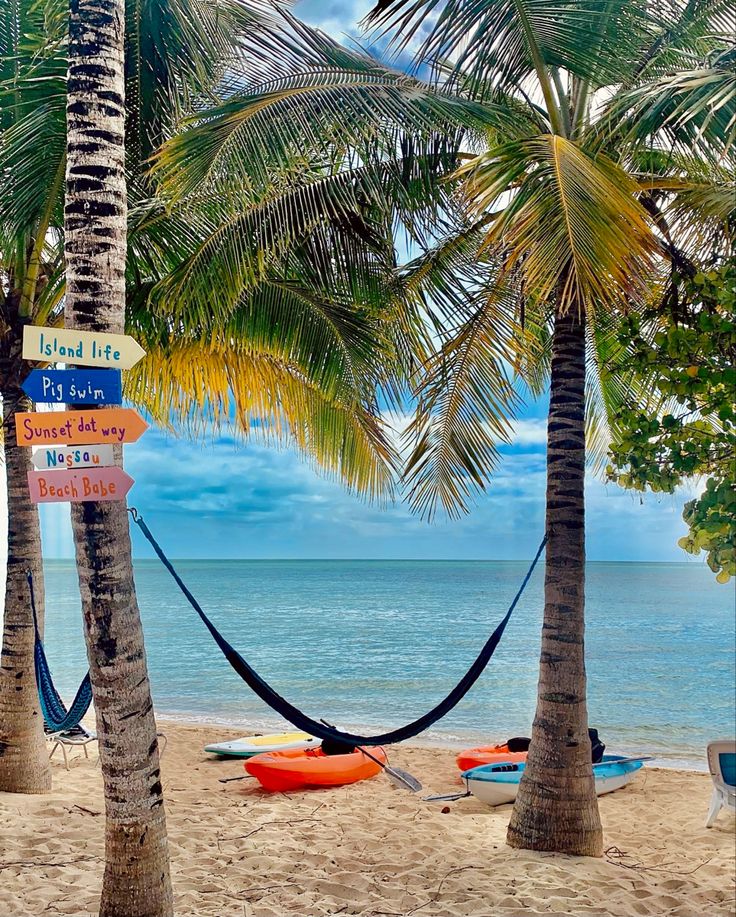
[(487, 754), (297, 768)]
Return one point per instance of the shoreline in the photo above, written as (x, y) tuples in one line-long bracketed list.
[(367, 849), (434, 740), (153, 560)]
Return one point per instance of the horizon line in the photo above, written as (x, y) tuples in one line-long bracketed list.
[(442, 560)]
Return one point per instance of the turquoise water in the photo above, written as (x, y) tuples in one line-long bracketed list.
[(373, 644)]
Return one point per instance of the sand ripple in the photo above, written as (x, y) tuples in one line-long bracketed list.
[(368, 849)]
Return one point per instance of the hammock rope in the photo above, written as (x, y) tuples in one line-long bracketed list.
[(318, 728), (55, 714)]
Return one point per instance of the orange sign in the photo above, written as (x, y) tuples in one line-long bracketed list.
[(69, 428)]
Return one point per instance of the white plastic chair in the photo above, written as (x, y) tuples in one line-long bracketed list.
[(722, 767), (82, 738), (79, 738)]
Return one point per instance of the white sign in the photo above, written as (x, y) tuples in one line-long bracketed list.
[(84, 348), (64, 457)]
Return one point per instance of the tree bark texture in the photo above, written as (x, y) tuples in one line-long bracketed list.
[(136, 881), (24, 759), (556, 808)]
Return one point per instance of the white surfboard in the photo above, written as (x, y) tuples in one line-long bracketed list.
[(248, 746)]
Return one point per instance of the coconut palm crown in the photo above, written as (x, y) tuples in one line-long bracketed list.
[(251, 317), (584, 216), (590, 140)]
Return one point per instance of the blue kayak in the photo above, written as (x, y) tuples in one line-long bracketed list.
[(497, 784)]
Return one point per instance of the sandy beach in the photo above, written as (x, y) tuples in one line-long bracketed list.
[(367, 849)]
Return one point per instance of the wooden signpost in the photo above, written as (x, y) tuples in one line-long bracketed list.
[(80, 348), (78, 428), (76, 462), (74, 386), (61, 457), (98, 484)]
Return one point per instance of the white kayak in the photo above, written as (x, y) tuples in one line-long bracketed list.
[(498, 784), (260, 744)]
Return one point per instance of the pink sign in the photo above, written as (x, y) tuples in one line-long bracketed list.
[(87, 484)]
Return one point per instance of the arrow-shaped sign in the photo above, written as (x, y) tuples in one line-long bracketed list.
[(64, 457), (86, 348), (69, 428), (102, 485), (74, 386)]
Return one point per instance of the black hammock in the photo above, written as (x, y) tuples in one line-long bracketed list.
[(320, 729)]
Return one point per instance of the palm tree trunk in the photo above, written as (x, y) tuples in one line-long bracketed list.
[(24, 760), (136, 882), (556, 808)]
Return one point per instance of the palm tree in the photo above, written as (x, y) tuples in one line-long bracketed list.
[(575, 225), (28, 282), (136, 880), (294, 352), (581, 129)]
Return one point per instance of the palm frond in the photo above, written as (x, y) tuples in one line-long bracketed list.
[(32, 130), (607, 386), (177, 54), (688, 111), (227, 251), (318, 103), (32, 153), (465, 407), (701, 213), (689, 30), (215, 385), (573, 224), (503, 42)]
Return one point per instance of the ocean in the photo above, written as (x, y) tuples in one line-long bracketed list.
[(370, 645)]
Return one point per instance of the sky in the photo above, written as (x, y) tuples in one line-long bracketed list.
[(229, 499)]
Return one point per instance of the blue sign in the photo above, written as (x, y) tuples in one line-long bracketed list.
[(74, 386)]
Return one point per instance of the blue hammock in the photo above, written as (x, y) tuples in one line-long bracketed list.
[(55, 714)]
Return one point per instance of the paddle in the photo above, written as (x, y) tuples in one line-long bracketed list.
[(447, 797), (505, 767), (400, 778)]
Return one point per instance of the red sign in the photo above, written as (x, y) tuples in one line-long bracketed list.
[(101, 485)]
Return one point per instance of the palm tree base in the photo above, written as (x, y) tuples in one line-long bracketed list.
[(24, 756), (554, 817)]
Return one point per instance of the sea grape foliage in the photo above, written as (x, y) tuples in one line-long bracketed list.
[(688, 427)]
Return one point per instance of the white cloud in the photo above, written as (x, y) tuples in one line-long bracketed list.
[(336, 17), (531, 432), (226, 499)]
